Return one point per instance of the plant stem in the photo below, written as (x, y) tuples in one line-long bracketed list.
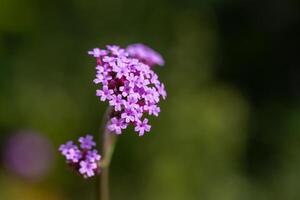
[(108, 146)]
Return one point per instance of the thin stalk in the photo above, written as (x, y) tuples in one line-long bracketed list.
[(108, 146)]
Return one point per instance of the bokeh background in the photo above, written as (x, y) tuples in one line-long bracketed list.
[(229, 129)]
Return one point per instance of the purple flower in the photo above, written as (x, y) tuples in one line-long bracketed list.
[(93, 156), (84, 159), (106, 79), (96, 52), (117, 102), (162, 91), (99, 78), (141, 127), (139, 113), (145, 54), (154, 79), (153, 110), (129, 115), (132, 99), (151, 95), (116, 50), (141, 82), (120, 68), (104, 94), (87, 168), (73, 155), (132, 79), (109, 59), (100, 69), (64, 148), (71, 152), (87, 142), (117, 125), (129, 85), (126, 90)]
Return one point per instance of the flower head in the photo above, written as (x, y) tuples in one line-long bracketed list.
[(84, 159), (129, 85)]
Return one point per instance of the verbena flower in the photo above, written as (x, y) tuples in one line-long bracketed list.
[(143, 126), (117, 125), (83, 159), (87, 168), (93, 156), (87, 142), (129, 84), (145, 54)]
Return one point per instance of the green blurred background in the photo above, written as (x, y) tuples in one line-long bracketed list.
[(229, 129)]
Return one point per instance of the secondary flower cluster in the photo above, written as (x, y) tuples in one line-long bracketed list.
[(129, 85), (145, 54), (85, 159)]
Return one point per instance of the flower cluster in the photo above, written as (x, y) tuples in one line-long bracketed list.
[(85, 159), (145, 54), (129, 85)]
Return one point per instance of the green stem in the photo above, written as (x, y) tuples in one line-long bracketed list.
[(108, 146)]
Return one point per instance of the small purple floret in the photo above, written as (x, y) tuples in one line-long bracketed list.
[(117, 125), (87, 168), (87, 142), (142, 127)]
